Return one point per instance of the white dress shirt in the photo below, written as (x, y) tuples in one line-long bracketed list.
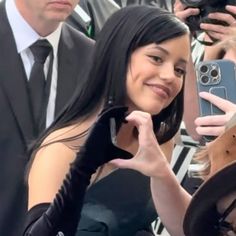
[(25, 36)]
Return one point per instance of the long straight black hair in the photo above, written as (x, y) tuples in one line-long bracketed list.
[(126, 30)]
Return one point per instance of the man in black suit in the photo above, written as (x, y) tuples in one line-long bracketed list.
[(22, 23)]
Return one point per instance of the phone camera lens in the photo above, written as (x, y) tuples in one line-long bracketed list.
[(204, 79), (214, 73), (204, 69)]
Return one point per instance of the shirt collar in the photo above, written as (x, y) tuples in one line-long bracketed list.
[(24, 34), (54, 38)]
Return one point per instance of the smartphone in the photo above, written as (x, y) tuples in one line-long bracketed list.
[(219, 78)]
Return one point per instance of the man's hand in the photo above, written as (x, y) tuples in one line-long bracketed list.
[(183, 12), (220, 32)]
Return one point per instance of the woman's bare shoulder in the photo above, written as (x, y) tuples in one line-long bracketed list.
[(52, 161), (59, 148), (72, 134)]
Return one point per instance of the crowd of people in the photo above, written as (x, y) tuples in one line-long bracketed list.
[(91, 118)]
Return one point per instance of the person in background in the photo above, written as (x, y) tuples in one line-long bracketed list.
[(213, 207), (165, 4), (89, 16), (33, 93), (222, 48), (137, 76), (193, 126), (166, 179)]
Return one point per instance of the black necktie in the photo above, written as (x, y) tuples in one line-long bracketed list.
[(37, 81)]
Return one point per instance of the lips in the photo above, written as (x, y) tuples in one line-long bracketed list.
[(61, 2), (160, 90)]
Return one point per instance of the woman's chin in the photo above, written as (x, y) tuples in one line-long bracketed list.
[(152, 109)]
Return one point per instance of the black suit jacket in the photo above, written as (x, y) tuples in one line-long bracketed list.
[(16, 126)]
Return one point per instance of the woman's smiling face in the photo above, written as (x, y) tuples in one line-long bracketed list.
[(155, 74)]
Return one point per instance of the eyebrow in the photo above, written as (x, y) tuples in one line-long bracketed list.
[(167, 53)]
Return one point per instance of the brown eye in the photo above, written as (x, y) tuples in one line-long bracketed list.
[(180, 72), (156, 58)]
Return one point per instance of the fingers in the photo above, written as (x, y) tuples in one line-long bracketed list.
[(217, 120), (219, 102), (138, 115), (214, 120), (125, 164), (211, 125), (184, 14), (210, 130), (231, 9), (149, 158), (219, 31), (227, 18), (143, 122), (140, 119), (214, 125), (215, 30)]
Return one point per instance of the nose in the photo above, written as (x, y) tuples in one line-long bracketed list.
[(167, 72)]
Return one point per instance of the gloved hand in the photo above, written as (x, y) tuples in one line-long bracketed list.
[(99, 148), (63, 213)]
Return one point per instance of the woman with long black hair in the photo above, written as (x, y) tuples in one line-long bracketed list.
[(130, 108)]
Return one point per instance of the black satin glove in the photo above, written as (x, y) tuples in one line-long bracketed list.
[(99, 148), (63, 214)]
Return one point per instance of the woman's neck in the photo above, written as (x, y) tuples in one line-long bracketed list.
[(127, 138)]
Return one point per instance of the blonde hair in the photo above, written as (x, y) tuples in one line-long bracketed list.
[(201, 158)]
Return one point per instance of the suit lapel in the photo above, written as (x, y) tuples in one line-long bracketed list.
[(67, 69), (13, 78)]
